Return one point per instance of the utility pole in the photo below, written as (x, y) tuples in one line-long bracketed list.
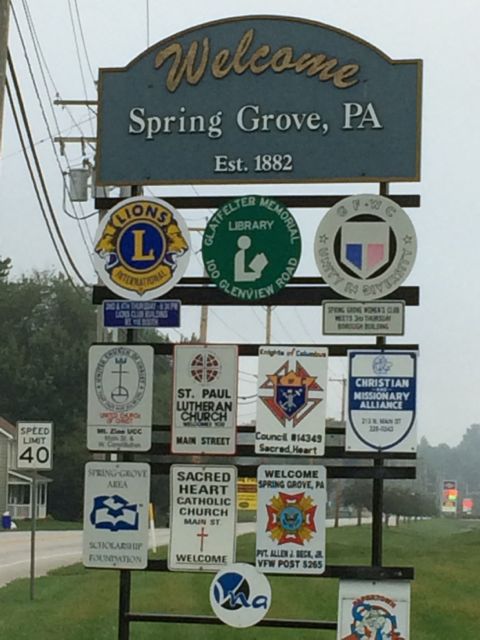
[(343, 380), (204, 308), (203, 321), (268, 325), (4, 22), (338, 484)]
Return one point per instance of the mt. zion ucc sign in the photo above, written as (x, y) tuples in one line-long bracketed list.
[(259, 99)]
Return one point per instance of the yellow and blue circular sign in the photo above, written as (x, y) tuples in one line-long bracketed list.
[(142, 248)]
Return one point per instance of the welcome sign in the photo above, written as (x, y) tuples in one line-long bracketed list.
[(259, 99)]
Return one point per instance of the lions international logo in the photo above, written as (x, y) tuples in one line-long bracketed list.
[(373, 619), (292, 394), (141, 248), (291, 518)]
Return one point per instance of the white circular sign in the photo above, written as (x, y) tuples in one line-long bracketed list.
[(142, 248), (120, 379), (365, 247), (240, 596)]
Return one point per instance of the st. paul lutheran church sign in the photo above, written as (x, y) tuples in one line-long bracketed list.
[(260, 99)]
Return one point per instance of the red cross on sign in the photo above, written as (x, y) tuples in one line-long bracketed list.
[(202, 535)]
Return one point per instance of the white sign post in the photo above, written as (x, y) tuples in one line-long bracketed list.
[(291, 519), (120, 383), (203, 516), (382, 401), (291, 403), (34, 449), (115, 520), (378, 609), (204, 414)]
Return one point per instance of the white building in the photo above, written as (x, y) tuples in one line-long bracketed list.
[(16, 486)]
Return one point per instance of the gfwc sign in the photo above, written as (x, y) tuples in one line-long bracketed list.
[(259, 99)]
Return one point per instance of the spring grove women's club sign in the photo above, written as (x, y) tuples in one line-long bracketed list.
[(259, 99)]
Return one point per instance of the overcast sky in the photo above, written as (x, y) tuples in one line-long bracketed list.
[(444, 34)]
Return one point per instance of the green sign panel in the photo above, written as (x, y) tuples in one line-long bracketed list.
[(251, 247), (259, 99)]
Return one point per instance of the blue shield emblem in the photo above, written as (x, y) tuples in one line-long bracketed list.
[(290, 398), (365, 247)]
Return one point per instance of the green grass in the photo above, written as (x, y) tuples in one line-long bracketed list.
[(74, 603)]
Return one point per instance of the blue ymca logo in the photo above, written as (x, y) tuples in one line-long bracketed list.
[(232, 592)]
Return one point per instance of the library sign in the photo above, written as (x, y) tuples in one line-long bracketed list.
[(259, 99)]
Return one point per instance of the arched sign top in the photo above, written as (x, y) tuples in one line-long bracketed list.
[(259, 99), (252, 19)]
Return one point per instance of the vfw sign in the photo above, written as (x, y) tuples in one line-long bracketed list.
[(259, 99)]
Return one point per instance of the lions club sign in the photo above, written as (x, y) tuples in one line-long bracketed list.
[(142, 248)]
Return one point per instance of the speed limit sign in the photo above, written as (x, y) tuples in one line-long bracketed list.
[(34, 445)]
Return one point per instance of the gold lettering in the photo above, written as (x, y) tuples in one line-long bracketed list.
[(347, 71), (261, 52), (327, 72), (221, 59), (310, 63), (191, 66), (282, 59), (138, 246), (242, 49), (183, 68)]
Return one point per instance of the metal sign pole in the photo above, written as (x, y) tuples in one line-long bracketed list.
[(32, 537), (377, 498), (125, 574)]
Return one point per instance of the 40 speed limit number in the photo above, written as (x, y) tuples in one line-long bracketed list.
[(34, 445)]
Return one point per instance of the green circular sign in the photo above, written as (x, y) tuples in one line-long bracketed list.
[(251, 247)]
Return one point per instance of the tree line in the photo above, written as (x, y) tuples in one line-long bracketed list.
[(422, 496), (47, 326)]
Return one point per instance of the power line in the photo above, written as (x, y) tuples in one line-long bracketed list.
[(287, 332), (77, 50), (42, 140), (39, 168), (302, 323), (147, 11), (39, 52), (34, 183), (85, 49), (37, 49)]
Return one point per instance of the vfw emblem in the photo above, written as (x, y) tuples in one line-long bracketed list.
[(365, 247), (294, 393), (291, 518)]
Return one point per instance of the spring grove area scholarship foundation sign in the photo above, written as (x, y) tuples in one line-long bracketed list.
[(259, 99)]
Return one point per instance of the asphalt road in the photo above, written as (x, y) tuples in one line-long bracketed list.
[(52, 549), (62, 548)]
